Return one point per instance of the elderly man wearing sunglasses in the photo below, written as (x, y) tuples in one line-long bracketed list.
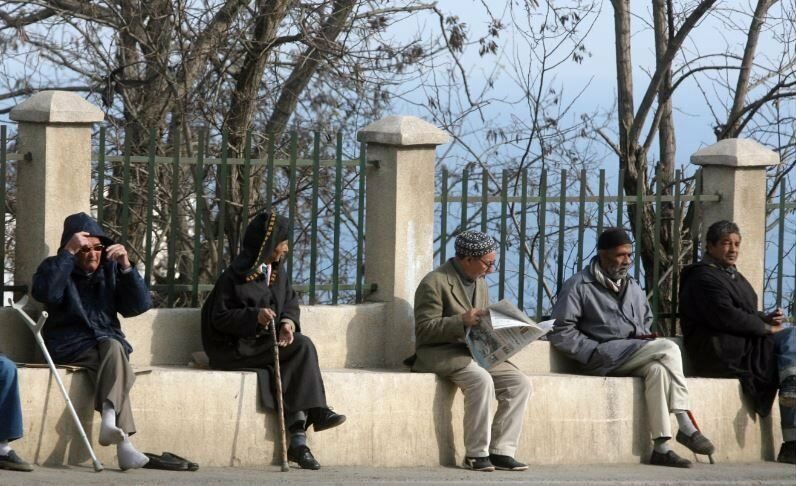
[(83, 288)]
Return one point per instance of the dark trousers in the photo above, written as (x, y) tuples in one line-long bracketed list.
[(109, 369)]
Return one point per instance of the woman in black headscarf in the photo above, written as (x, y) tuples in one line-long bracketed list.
[(252, 294)]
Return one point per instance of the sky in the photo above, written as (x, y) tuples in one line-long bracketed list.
[(693, 122)]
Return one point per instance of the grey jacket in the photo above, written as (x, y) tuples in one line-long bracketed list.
[(440, 300), (594, 327)]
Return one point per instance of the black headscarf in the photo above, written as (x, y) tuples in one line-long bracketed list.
[(262, 236)]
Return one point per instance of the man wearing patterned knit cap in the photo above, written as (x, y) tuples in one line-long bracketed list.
[(448, 301), (603, 322)]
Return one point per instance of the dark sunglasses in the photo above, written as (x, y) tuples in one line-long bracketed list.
[(87, 249)]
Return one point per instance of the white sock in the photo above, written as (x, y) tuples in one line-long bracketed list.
[(661, 445), (4, 448), (109, 432), (686, 425), (129, 457)]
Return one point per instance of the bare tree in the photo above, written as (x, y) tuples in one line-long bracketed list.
[(230, 66)]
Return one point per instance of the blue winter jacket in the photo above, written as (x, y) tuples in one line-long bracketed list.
[(82, 308)]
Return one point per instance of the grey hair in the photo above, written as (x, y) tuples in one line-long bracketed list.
[(720, 229)]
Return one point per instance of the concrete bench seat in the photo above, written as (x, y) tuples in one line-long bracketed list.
[(395, 418)]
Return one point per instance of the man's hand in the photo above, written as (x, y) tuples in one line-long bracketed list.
[(773, 329), (78, 241), (775, 318), (265, 316), (473, 317), (285, 335), (118, 253)]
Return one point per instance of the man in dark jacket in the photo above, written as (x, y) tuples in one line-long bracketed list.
[(83, 287), (603, 322), (726, 336)]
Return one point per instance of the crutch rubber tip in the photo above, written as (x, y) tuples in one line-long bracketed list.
[(285, 468), (98, 467)]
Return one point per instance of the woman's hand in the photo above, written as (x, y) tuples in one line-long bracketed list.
[(285, 334), (265, 316)]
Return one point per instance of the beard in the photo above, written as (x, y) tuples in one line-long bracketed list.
[(617, 272)]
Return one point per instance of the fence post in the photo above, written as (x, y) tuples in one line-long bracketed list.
[(55, 181), (399, 220), (735, 169)]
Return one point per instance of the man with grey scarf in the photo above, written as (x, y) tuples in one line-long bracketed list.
[(602, 321)]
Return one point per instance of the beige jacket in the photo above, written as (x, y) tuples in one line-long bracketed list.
[(440, 300)]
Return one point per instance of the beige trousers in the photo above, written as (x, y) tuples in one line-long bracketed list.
[(483, 434), (660, 364), (110, 371)]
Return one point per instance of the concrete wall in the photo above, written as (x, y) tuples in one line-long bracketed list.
[(394, 419)]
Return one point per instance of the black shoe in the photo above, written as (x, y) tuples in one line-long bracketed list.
[(698, 443), (325, 418), (303, 457), (787, 392), (670, 459), (507, 463), (13, 462), (478, 464), (787, 453)]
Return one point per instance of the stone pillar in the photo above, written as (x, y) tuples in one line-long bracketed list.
[(55, 128), (735, 169), (399, 248)]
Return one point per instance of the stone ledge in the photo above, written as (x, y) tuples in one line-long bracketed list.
[(395, 419)]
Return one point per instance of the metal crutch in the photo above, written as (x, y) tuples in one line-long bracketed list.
[(279, 404), (35, 328)]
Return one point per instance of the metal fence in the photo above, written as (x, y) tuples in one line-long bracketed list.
[(174, 212), (548, 226)]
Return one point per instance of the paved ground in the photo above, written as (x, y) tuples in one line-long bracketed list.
[(701, 474)]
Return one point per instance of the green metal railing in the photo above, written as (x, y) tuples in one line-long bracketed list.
[(173, 205), (205, 197), (535, 259)]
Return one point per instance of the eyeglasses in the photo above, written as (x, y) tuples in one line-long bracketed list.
[(87, 249), (492, 264)]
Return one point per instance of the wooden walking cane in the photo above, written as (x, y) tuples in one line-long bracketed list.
[(696, 426), (280, 407), (35, 328)]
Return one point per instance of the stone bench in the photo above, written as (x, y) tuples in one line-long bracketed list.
[(395, 418)]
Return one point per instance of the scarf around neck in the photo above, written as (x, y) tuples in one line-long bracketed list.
[(614, 286)]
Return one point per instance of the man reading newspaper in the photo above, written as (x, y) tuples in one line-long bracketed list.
[(449, 301)]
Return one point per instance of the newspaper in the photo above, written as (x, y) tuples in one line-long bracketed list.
[(502, 334)]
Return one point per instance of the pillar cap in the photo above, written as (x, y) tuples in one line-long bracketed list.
[(56, 107), (402, 131), (735, 152)]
